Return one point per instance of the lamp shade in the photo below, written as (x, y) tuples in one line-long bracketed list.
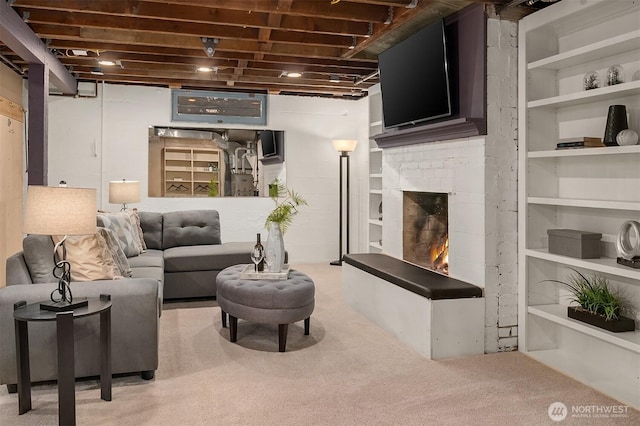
[(60, 211), (345, 145), (124, 191)]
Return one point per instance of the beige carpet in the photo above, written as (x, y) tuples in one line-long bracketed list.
[(347, 372)]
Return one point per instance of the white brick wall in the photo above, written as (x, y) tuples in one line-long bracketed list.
[(480, 175)]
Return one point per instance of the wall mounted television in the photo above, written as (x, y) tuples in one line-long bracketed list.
[(272, 145), (414, 78)]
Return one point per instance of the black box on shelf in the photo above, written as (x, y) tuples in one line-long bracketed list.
[(574, 243)]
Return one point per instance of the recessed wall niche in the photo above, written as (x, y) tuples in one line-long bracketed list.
[(191, 162)]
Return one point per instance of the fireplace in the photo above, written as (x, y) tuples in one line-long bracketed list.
[(425, 230)]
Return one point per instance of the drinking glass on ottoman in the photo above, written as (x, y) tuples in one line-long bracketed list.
[(265, 301)]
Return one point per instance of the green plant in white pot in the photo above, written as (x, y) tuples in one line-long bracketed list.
[(287, 203)]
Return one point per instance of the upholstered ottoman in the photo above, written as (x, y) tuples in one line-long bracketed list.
[(265, 301)]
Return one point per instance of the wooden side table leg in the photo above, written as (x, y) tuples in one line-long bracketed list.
[(23, 368), (105, 354), (307, 323), (282, 336), (66, 369)]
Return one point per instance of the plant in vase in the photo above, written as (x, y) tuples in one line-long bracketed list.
[(287, 203), (598, 304)]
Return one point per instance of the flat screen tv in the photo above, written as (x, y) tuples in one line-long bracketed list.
[(414, 79), (272, 144), (268, 143)]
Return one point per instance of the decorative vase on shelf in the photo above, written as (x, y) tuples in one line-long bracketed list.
[(591, 80), (616, 122), (615, 75), (275, 247)]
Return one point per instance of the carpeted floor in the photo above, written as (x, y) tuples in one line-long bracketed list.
[(347, 372)]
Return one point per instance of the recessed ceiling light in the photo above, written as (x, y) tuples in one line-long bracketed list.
[(294, 74), (206, 69), (79, 52), (107, 62)]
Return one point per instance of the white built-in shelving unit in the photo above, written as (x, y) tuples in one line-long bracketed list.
[(375, 171), (589, 189)]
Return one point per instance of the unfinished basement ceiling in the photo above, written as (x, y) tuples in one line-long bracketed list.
[(253, 44)]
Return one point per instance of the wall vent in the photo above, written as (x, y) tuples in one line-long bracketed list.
[(218, 107)]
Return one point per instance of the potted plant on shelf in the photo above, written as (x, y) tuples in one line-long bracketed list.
[(598, 304), (287, 203)]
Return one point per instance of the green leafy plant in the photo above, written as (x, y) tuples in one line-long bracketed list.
[(593, 294), (287, 203)]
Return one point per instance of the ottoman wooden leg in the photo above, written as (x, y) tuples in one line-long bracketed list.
[(233, 328), (224, 318), (307, 321), (282, 336)]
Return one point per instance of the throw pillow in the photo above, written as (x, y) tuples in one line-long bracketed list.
[(89, 257), (116, 251), (135, 219), (121, 224), (38, 255)]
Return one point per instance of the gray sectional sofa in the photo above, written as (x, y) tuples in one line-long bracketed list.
[(183, 257)]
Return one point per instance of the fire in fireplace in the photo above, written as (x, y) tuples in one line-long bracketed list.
[(425, 230)]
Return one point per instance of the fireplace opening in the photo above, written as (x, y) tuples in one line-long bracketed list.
[(425, 230)]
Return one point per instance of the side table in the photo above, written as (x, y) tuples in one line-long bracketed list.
[(23, 313)]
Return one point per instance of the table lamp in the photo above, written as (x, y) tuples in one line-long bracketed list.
[(60, 211), (124, 192)]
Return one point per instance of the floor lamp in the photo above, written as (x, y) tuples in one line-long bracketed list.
[(344, 147)]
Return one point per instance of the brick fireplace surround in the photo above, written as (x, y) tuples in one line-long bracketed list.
[(480, 176)]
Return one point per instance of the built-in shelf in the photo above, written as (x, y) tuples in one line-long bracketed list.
[(591, 204), (375, 149), (608, 47), (603, 264), (580, 152), (376, 191), (588, 96), (376, 175), (558, 314), (590, 189), (375, 222)]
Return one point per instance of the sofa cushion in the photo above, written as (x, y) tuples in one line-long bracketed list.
[(38, 255), (124, 228), (214, 257), (150, 258), (190, 228), (151, 224)]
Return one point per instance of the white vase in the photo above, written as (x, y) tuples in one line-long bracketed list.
[(275, 244)]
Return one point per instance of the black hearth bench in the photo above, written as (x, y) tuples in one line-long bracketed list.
[(429, 284), (438, 316)]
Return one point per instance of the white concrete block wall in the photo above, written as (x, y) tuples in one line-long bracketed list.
[(501, 224), (480, 175), (95, 140)]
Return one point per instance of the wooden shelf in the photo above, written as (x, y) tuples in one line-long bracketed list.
[(629, 340), (608, 47), (591, 204), (192, 165), (580, 152), (588, 96), (603, 264)]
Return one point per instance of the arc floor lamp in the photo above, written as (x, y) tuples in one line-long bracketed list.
[(344, 147)]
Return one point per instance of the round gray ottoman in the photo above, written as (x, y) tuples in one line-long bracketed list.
[(266, 301)]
